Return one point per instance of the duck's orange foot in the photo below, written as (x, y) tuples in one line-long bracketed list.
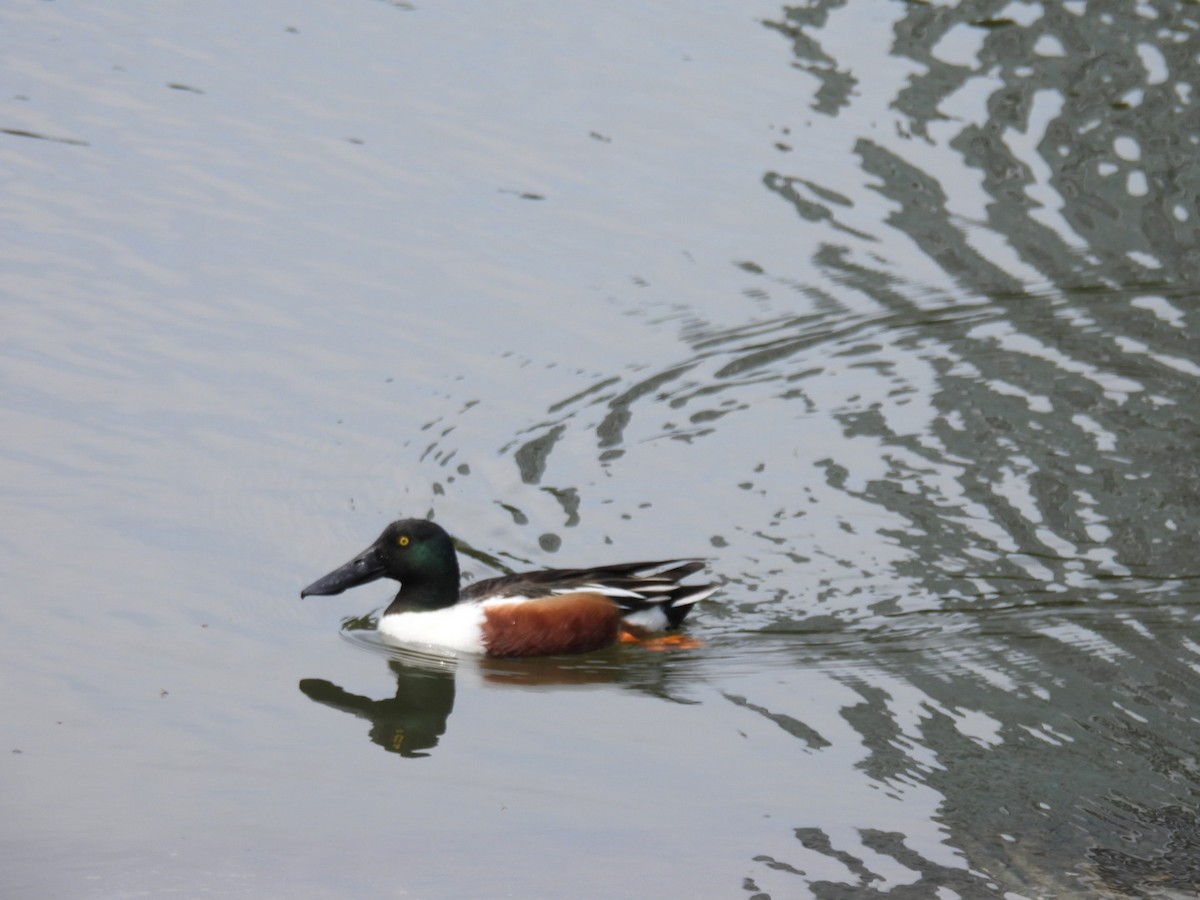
[(673, 641)]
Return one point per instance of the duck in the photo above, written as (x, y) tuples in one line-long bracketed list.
[(540, 613)]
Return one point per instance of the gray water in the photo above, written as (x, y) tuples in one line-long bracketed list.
[(886, 308)]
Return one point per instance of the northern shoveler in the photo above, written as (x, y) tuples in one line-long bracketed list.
[(529, 614)]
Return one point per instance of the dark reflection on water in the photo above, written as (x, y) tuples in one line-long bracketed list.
[(411, 722), (1023, 443), (1066, 422), (888, 845), (415, 718)]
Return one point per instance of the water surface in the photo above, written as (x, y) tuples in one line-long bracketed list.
[(886, 308)]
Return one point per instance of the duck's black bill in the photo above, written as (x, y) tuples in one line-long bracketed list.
[(365, 567)]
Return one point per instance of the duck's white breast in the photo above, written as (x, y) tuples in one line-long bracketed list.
[(459, 627)]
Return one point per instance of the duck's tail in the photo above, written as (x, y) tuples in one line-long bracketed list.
[(653, 600)]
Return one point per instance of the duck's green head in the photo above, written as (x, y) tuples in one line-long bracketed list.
[(415, 552)]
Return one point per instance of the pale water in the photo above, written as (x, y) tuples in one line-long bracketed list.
[(889, 309)]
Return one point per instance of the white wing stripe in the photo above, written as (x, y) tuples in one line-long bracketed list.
[(600, 589)]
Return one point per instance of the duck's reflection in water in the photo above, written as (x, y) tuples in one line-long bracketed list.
[(412, 721), (409, 723)]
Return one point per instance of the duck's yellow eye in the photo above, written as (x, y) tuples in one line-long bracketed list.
[(403, 541)]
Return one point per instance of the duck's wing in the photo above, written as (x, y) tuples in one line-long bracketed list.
[(636, 587)]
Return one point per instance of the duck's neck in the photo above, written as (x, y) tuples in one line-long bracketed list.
[(434, 588)]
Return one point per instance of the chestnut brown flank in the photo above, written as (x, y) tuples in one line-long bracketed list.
[(564, 623)]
